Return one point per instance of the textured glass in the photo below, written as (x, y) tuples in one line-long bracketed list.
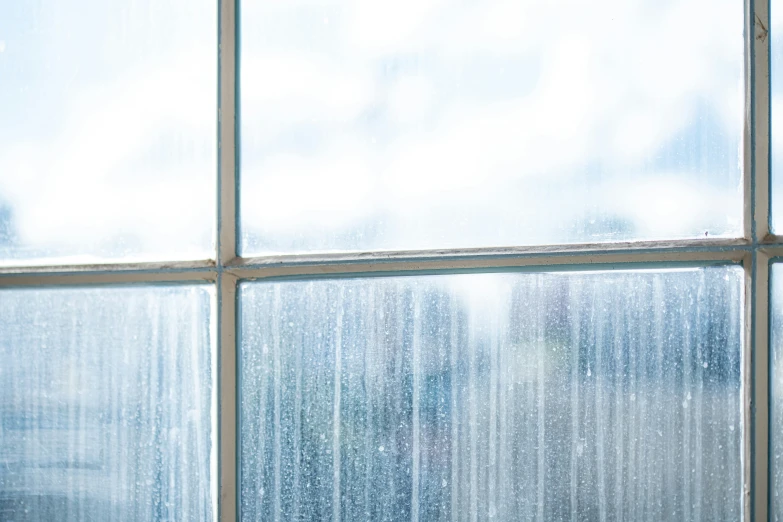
[(776, 122), (107, 407), (107, 130), (412, 124), (516, 396)]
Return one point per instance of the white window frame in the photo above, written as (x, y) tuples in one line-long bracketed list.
[(755, 251)]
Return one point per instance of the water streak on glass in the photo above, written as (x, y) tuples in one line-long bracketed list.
[(416, 124), (107, 130), (776, 394), (107, 407), (516, 396)]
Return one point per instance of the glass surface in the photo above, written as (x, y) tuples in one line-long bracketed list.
[(430, 124), (776, 393), (107, 130), (776, 121), (107, 405), (515, 396)]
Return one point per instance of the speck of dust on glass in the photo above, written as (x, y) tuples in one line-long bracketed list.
[(416, 124), (107, 404), (511, 396)]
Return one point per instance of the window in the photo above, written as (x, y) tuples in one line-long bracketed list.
[(419, 261)]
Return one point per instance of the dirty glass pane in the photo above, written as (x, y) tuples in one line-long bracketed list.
[(515, 396), (414, 124), (107, 407), (776, 394), (107, 130)]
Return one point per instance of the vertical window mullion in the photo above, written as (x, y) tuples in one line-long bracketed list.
[(756, 388), (226, 251), (757, 117), (757, 229), (227, 400)]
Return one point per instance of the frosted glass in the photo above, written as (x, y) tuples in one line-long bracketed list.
[(515, 396), (107, 130), (107, 406), (414, 124)]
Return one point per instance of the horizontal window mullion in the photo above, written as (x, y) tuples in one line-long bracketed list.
[(579, 260), (538, 251), (56, 277), (380, 263)]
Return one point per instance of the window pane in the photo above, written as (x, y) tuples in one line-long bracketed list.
[(516, 396), (430, 124), (776, 387), (107, 406), (776, 94), (107, 130)]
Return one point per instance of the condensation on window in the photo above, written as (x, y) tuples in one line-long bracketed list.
[(512, 396)]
